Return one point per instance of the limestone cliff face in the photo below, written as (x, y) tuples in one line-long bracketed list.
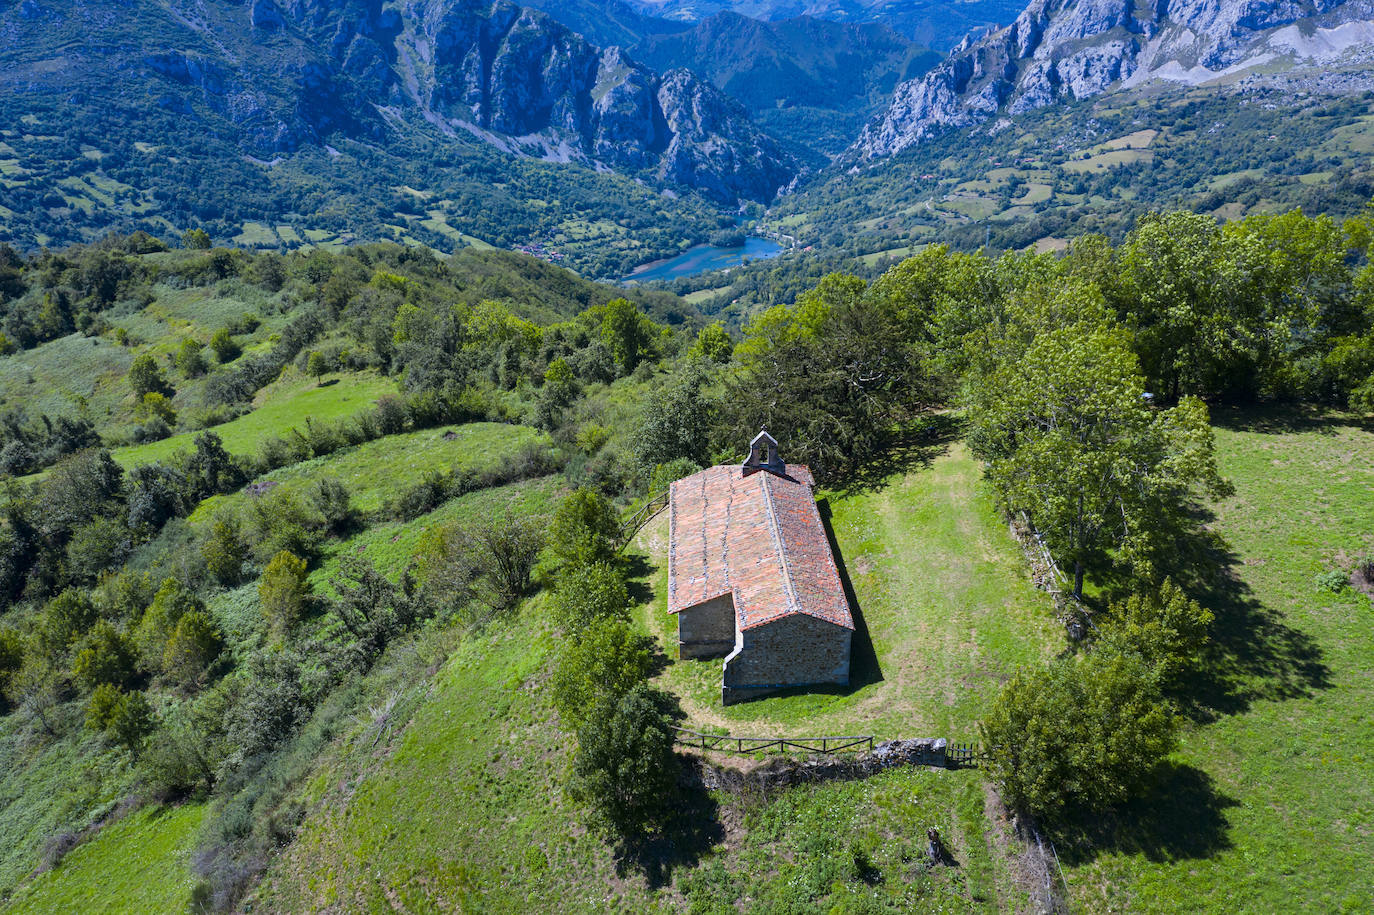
[(1079, 48), (522, 81)]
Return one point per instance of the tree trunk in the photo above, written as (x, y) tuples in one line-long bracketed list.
[(1078, 580)]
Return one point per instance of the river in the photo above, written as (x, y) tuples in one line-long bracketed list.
[(702, 258)]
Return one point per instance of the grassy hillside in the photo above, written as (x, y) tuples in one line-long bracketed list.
[(1273, 808), (142, 862), (470, 807), (285, 405), (1267, 809)]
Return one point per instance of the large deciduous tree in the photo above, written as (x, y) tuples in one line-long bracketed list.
[(1071, 440), (832, 377), (625, 769)]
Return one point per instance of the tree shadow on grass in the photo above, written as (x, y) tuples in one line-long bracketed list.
[(691, 829), (1255, 654), (1182, 817), (908, 450), (1288, 418), (639, 572)]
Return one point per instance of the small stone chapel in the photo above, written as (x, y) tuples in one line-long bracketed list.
[(751, 576)]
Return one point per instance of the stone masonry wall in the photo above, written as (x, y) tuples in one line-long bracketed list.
[(708, 629), (793, 651)]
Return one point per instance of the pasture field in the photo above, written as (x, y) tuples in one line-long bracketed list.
[(376, 470), (1271, 805), (278, 408)]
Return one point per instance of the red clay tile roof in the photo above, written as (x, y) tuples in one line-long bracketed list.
[(759, 536)]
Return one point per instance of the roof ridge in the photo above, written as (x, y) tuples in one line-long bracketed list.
[(780, 547)]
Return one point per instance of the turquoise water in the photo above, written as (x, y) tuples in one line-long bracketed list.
[(706, 257)]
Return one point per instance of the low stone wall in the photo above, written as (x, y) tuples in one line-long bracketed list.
[(783, 771)]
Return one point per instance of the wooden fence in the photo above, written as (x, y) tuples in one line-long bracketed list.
[(631, 525), (729, 744), (961, 755)]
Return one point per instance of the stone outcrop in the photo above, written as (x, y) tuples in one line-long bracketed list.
[(1060, 49)]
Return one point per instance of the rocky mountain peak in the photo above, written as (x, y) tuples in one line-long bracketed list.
[(1079, 48)]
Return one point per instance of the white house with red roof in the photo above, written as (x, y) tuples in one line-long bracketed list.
[(751, 576)]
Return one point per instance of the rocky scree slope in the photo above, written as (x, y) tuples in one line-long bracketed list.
[(1060, 49)]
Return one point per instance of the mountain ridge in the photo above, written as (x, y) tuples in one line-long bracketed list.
[(1065, 49), (280, 76)]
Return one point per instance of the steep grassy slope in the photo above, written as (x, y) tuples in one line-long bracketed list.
[(285, 405), (142, 862)]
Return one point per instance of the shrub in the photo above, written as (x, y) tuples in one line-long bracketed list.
[(317, 365), (196, 239), (131, 721), (371, 607), (64, 620), (503, 551), (98, 546), (664, 475), (592, 437), (392, 415), (11, 660), (171, 602), (190, 360), (588, 593), (224, 347), (1166, 629), (225, 551), (210, 469), (284, 591), (123, 597), (282, 521), (154, 495), (101, 704), (1081, 734), (145, 376), (625, 768), (156, 406), (190, 746), (332, 501), (17, 457), (713, 344), (192, 647), (1334, 581), (602, 662), (584, 529), (125, 718), (106, 658)]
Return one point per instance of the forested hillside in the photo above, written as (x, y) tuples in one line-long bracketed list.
[(314, 586)]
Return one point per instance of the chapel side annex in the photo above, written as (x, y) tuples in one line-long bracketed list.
[(751, 576)]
